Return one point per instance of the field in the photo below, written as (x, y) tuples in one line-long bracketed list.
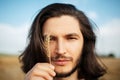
[(113, 69), (10, 68)]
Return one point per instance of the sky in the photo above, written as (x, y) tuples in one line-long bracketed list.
[(16, 16)]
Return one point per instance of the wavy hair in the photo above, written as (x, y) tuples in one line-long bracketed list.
[(89, 67)]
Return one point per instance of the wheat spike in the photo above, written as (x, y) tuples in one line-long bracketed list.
[(47, 44)]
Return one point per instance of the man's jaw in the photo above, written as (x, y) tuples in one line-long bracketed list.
[(62, 62)]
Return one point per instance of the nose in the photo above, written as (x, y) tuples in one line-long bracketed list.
[(60, 48)]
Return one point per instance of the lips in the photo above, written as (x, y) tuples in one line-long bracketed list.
[(61, 62)]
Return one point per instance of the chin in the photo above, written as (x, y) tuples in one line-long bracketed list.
[(64, 71)]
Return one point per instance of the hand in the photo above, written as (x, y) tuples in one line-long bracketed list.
[(41, 71)]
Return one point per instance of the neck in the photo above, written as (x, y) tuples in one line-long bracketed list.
[(71, 77)]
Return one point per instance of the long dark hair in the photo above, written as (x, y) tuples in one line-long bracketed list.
[(34, 52)]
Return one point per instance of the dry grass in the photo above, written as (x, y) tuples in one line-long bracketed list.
[(113, 69), (10, 68)]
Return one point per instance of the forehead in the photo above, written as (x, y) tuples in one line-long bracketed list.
[(61, 25)]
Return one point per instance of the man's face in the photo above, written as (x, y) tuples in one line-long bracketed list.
[(66, 42)]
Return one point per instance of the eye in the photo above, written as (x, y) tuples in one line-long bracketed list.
[(52, 38), (72, 38)]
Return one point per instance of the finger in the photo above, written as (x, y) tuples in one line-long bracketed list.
[(47, 68), (43, 74)]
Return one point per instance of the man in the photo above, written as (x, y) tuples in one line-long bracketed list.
[(71, 46)]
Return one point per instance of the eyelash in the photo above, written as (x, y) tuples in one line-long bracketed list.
[(72, 38), (68, 38)]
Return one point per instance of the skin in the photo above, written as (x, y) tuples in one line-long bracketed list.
[(66, 40)]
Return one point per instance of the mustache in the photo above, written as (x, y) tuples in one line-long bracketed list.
[(61, 57)]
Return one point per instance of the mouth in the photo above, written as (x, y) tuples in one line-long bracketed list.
[(61, 62)]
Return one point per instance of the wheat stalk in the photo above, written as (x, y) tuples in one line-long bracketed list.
[(47, 44)]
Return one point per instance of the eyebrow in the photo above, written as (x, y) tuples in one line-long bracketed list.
[(73, 34), (66, 35)]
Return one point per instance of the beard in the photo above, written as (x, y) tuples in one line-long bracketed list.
[(66, 74), (63, 75)]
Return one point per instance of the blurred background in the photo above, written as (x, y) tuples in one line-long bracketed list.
[(16, 16)]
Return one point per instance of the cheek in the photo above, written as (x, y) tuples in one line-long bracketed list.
[(75, 47), (75, 50)]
